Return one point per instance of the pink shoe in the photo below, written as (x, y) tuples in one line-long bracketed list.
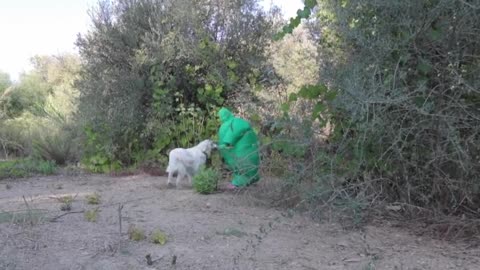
[(231, 187)]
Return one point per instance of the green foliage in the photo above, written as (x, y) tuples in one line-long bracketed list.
[(59, 73), (66, 203), (25, 168), (56, 148), (295, 22), (93, 198), (35, 113), (399, 96), (277, 163), (205, 182), (400, 113), (96, 156), (135, 233), (294, 59), (30, 93), (322, 97), (159, 237), (289, 148), (91, 215)]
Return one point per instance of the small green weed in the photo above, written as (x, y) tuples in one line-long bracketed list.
[(205, 182), (66, 203), (135, 234), (159, 237), (91, 215), (93, 199)]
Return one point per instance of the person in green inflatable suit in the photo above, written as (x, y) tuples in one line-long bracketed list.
[(238, 146)]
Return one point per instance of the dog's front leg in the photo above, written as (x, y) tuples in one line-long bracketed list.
[(169, 180)]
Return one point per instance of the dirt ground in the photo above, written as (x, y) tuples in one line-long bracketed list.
[(219, 231)]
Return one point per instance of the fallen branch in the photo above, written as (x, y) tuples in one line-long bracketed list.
[(64, 214)]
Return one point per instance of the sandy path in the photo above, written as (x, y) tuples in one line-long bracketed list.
[(220, 231)]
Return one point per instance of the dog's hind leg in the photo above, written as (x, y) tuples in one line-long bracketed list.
[(180, 176), (189, 179), (169, 179)]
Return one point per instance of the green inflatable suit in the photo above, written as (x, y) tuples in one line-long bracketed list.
[(238, 145)]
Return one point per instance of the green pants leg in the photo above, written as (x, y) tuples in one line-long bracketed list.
[(246, 172)]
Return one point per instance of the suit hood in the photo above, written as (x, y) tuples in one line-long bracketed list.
[(225, 115)]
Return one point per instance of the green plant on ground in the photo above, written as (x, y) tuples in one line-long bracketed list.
[(135, 233), (91, 215), (43, 167), (205, 182), (66, 203), (159, 237), (93, 198)]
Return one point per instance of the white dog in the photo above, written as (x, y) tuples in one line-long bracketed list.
[(187, 162)]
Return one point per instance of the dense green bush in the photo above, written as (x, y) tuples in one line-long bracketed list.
[(399, 84), (96, 155)]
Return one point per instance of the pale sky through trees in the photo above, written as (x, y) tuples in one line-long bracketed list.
[(32, 27)]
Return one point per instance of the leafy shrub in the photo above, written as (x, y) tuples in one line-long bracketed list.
[(205, 182), (101, 164), (96, 157), (189, 127)]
